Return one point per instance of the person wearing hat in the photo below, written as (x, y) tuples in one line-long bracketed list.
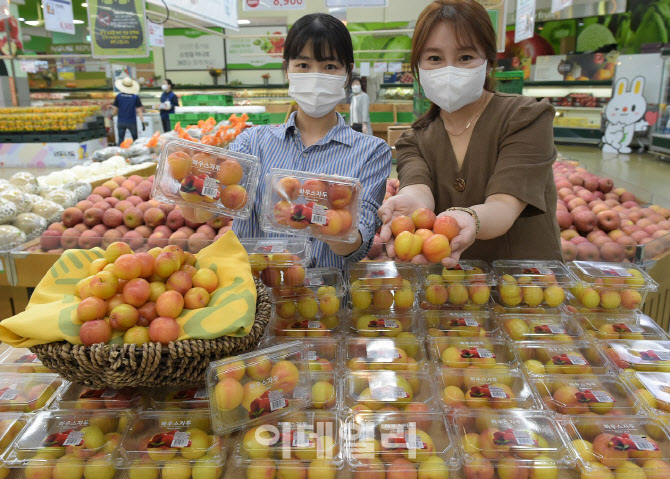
[(168, 102), (128, 106)]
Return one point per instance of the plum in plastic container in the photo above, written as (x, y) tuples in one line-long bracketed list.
[(505, 443), (404, 352), (11, 425), (576, 358), (459, 323), (579, 395), (460, 353), (326, 391), (476, 389), (21, 360), (610, 286), (298, 203), (375, 324), (532, 284), (640, 355), (170, 398), (404, 444), (257, 386), (621, 326), (28, 392), (652, 391), (276, 261), (620, 446), (383, 286), (301, 328), (467, 285), (175, 442), (540, 327), (382, 391), (76, 396), (206, 178), (323, 354), (299, 444)]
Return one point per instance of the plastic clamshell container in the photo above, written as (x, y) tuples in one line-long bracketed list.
[(181, 439), (404, 353), (323, 354), (206, 177), (294, 442), (258, 386), (626, 326), (296, 281), (326, 391), (486, 388), (375, 324), (468, 285), (21, 360), (27, 392), (638, 355), (540, 327), (532, 283), (378, 441), (500, 439), (610, 286), (459, 323), (76, 396), (320, 206), (317, 292), (298, 327), (656, 385), (578, 395), (167, 398), (383, 285), (577, 358), (621, 443), (459, 353), (374, 390), (280, 253), (11, 425)]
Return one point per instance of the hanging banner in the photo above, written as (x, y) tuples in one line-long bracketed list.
[(356, 3), (58, 16), (118, 28), (365, 69), (222, 13), (193, 50), (258, 5), (264, 52), (525, 20), (155, 31), (558, 5)]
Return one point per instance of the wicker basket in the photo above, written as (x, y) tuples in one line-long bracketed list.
[(150, 365)]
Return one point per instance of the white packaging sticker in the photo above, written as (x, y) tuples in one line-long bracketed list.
[(300, 393), (313, 324), (388, 393), (201, 394), (616, 271), (9, 394), (556, 329), (485, 353), (523, 438), (577, 359), (210, 187), (277, 248), (75, 438), (464, 267), (414, 441), (497, 392), (277, 400), (642, 443), (312, 356), (300, 439), (663, 355), (181, 439), (381, 349), (319, 215), (391, 324), (109, 393), (471, 322), (602, 396)]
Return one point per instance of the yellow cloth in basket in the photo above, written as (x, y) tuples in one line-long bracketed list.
[(51, 314)]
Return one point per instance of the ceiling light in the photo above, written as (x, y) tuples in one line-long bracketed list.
[(243, 22), (77, 22)]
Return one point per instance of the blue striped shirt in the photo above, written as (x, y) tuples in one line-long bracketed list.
[(342, 152)]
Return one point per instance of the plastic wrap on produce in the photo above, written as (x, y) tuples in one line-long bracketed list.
[(47, 209), (8, 211), (11, 237), (138, 160), (31, 224), (17, 197), (64, 198), (26, 182), (138, 150)]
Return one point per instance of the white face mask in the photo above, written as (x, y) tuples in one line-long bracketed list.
[(356, 88), (164, 87), (316, 93), (451, 88)]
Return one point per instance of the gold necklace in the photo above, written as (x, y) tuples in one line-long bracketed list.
[(474, 118)]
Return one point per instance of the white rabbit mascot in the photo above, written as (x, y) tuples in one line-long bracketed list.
[(624, 114)]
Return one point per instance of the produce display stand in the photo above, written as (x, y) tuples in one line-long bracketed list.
[(142, 171), (29, 267), (657, 305)]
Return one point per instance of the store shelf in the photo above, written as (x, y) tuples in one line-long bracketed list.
[(396, 85), (567, 84), (582, 135), (579, 108)]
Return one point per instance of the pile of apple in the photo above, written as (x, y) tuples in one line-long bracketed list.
[(140, 294), (461, 287), (121, 210), (403, 353), (586, 395), (302, 312), (599, 221), (424, 233), (27, 393), (462, 323)]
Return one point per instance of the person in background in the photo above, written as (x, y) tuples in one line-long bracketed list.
[(168, 102), (127, 106), (359, 114)]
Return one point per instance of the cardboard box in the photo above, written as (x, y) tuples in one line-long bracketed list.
[(29, 267), (144, 172)]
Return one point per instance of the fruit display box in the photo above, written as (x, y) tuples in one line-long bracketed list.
[(477, 389), (297, 445), (652, 390), (404, 444), (404, 352), (298, 327), (21, 360), (376, 324), (540, 327), (459, 323), (577, 358), (389, 391), (76, 396), (585, 395), (468, 285), (322, 354), (272, 259), (258, 386), (209, 178), (638, 355), (610, 287), (180, 443), (171, 398), (623, 447), (30, 266), (381, 286), (502, 443), (321, 206), (627, 326), (460, 353), (532, 283), (27, 392)]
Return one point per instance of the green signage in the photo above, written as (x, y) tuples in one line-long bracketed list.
[(118, 28)]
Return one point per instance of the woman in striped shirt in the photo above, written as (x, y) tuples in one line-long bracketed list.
[(318, 60)]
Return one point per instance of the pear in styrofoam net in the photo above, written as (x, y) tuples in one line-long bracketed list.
[(8, 211), (19, 198), (80, 189), (26, 182), (65, 198), (5, 184), (31, 224), (33, 198), (48, 210), (11, 237)]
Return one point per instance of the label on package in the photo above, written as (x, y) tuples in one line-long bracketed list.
[(523, 438), (201, 394), (181, 439), (312, 356), (301, 439), (388, 393), (535, 270), (463, 322), (414, 441), (569, 359), (486, 390), (652, 355), (75, 438), (381, 350), (627, 328), (9, 394), (589, 395), (210, 187), (319, 215), (633, 442), (28, 358), (315, 280), (511, 437), (109, 393), (277, 248), (464, 267), (642, 443), (300, 393), (548, 329), (391, 324), (277, 400), (616, 271), (313, 324), (477, 353)]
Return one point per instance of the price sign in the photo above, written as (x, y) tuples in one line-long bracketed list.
[(58, 16), (156, 38), (258, 5)]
